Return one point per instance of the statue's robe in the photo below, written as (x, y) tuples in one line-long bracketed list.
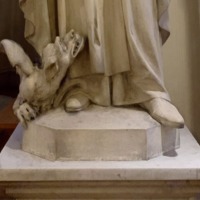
[(122, 61)]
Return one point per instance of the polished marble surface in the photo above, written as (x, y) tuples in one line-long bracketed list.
[(184, 164)]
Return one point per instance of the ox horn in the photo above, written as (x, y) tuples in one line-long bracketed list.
[(16, 56)]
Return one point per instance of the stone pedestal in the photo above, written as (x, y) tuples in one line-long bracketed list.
[(175, 175), (99, 133)]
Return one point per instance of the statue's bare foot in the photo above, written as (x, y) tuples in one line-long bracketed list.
[(77, 103), (164, 112)]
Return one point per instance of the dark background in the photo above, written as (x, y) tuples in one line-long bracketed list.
[(12, 27)]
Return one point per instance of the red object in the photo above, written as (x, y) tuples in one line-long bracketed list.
[(8, 121)]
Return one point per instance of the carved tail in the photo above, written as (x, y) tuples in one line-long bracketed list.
[(17, 57)]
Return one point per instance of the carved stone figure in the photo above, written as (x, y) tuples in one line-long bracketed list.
[(40, 87), (121, 63)]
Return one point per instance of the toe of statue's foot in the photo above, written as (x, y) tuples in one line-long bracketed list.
[(164, 112), (77, 103)]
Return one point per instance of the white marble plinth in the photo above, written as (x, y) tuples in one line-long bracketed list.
[(182, 164), (98, 133), (173, 176)]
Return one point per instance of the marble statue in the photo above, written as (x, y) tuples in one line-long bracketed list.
[(40, 87), (121, 63)]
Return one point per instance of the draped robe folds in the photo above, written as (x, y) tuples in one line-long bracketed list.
[(122, 62)]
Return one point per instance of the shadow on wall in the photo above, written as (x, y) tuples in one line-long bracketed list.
[(193, 22)]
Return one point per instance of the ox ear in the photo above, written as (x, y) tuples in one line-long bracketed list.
[(49, 60), (51, 71), (17, 57)]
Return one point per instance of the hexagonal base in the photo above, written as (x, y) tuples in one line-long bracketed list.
[(98, 133)]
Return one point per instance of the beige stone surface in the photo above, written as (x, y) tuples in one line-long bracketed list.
[(103, 190), (170, 177), (118, 69), (123, 68), (40, 86), (98, 133), (182, 164)]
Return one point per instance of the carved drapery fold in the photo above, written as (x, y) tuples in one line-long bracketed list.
[(124, 39)]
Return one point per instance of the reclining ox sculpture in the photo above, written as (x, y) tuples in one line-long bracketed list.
[(40, 87)]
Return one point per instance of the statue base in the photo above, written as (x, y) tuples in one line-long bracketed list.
[(24, 176), (98, 133)]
